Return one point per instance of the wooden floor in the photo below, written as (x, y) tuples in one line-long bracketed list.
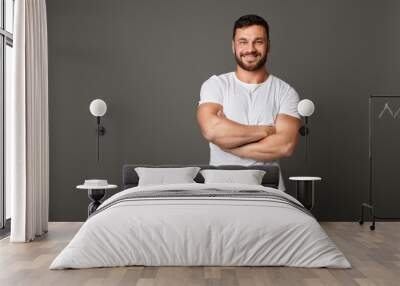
[(375, 256)]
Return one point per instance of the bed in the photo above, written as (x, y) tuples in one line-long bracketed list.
[(201, 224)]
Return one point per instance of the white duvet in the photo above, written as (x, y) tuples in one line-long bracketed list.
[(200, 231)]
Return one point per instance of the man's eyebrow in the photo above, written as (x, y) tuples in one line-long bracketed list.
[(256, 39)]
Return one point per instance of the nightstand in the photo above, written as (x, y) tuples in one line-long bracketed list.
[(95, 194), (305, 187)]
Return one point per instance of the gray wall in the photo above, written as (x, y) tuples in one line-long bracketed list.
[(147, 60)]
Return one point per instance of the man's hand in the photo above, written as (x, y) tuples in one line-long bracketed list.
[(280, 144), (226, 133), (271, 130), (221, 114)]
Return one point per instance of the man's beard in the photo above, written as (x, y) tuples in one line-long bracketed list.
[(260, 64)]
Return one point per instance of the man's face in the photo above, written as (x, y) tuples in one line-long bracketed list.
[(250, 47)]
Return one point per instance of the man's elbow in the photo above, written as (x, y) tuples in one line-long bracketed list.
[(209, 131), (211, 137), (208, 135), (289, 149)]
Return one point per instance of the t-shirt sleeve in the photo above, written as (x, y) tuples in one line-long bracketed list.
[(211, 91), (289, 102)]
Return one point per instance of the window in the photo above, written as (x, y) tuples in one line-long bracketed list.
[(6, 57)]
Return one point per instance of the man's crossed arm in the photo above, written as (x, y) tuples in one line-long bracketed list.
[(259, 142), (225, 133)]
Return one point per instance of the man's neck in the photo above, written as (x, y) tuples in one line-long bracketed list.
[(258, 76)]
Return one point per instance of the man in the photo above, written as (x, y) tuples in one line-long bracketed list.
[(249, 116)]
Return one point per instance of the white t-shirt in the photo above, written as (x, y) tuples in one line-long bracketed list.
[(250, 104)]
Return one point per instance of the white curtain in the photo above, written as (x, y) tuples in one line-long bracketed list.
[(27, 139)]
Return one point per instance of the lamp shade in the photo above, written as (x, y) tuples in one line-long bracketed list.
[(306, 107), (98, 107)]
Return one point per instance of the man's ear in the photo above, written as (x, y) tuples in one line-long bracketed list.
[(268, 45), (233, 46)]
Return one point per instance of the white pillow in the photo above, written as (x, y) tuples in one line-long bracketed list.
[(162, 176), (249, 177)]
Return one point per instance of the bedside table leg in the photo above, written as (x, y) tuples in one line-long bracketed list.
[(93, 207), (95, 196), (305, 193), (312, 195)]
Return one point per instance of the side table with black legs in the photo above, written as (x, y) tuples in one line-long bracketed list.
[(305, 188), (95, 194)]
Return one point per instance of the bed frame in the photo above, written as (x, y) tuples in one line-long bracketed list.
[(271, 178)]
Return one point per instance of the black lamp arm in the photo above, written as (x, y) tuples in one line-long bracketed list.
[(101, 130), (304, 130)]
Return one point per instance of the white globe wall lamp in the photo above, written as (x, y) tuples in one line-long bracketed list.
[(98, 108), (306, 108)]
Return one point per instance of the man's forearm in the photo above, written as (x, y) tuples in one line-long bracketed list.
[(273, 147), (229, 134)]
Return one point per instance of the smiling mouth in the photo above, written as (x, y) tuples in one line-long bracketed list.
[(250, 58)]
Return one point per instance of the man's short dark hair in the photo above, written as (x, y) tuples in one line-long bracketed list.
[(250, 20)]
